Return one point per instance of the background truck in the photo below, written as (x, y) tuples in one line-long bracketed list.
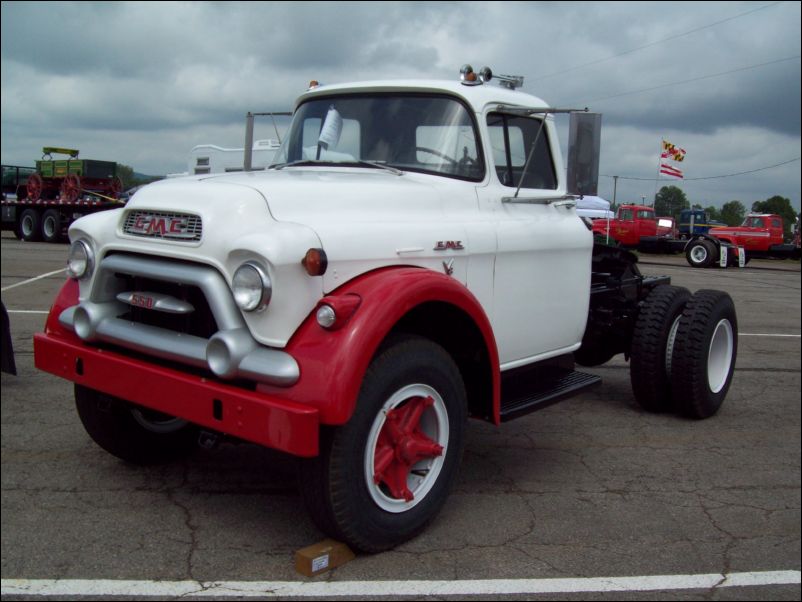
[(47, 199), (631, 223), (693, 222), (414, 258), (760, 236)]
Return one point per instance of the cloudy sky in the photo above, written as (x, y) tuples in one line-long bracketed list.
[(141, 83)]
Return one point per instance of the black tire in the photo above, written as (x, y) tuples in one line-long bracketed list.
[(339, 489), (28, 228), (51, 226), (701, 253), (652, 341), (704, 355), (133, 433)]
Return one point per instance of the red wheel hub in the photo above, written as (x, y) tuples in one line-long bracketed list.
[(34, 187), (71, 188), (402, 444)]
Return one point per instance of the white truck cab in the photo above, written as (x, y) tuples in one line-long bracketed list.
[(411, 258)]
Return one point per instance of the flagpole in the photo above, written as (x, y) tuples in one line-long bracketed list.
[(657, 179)]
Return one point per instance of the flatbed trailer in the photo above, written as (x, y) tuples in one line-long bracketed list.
[(40, 203), (48, 219)]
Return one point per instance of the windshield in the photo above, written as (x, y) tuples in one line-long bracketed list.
[(752, 221), (429, 134)]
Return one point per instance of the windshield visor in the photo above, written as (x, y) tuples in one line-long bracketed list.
[(429, 134)]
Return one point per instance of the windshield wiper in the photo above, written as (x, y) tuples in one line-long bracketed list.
[(278, 166), (392, 170), (302, 162)]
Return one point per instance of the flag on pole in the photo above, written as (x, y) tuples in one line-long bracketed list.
[(671, 153), (670, 171)]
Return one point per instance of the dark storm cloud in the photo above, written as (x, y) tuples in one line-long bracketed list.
[(141, 81)]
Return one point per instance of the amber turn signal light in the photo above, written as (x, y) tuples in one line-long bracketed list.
[(315, 262)]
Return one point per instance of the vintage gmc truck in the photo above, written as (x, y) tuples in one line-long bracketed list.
[(412, 259)]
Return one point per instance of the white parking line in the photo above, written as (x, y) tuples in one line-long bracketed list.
[(329, 589), (10, 286), (749, 334), (28, 311)]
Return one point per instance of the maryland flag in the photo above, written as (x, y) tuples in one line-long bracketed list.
[(671, 153)]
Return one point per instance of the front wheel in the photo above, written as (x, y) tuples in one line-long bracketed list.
[(382, 476), (133, 433)]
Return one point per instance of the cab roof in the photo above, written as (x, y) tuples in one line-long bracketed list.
[(476, 96)]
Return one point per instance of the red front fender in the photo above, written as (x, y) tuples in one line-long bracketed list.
[(333, 362)]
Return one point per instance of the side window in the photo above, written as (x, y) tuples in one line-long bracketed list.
[(775, 223), (511, 138), (646, 215), (627, 214)]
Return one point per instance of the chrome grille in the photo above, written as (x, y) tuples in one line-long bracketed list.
[(165, 225)]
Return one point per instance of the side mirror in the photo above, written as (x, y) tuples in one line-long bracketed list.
[(584, 143)]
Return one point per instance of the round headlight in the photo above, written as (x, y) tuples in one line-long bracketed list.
[(81, 260), (251, 286)]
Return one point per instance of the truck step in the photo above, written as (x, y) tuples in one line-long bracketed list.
[(527, 390)]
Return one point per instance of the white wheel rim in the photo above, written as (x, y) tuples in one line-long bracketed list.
[(698, 253), (424, 474), (719, 356), (27, 225), (50, 227), (672, 336)]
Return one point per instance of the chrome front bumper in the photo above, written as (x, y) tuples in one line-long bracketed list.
[(230, 353)]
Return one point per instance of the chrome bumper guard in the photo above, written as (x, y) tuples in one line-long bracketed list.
[(230, 353)]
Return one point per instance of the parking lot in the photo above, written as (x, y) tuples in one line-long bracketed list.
[(561, 504)]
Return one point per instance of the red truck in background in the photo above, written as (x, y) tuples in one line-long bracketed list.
[(760, 235), (631, 223), (637, 227)]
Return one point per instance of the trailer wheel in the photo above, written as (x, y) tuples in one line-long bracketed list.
[(704, 354), (133, 433), (653, 341), (381, 477), (34, 187), (70, 188), (700, 253), (28, 225), (51, 226)]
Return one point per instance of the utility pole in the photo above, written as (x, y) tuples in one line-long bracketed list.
[(615, 187)]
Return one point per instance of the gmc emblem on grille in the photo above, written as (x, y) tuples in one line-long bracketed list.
[(160, 226)]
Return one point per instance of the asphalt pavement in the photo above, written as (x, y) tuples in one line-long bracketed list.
[(578, 495)]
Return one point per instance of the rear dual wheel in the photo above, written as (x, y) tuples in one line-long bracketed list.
[(652, 346), (704, 354), (683, 351)]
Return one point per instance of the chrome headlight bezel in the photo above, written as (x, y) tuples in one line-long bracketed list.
[(81, 260), (251, 287)]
